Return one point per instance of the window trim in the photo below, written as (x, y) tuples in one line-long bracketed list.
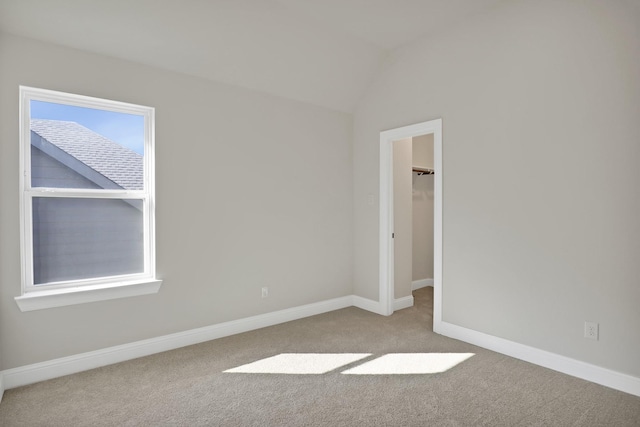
[(56, 294)]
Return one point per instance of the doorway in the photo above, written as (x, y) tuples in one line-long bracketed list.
[(387, 258)]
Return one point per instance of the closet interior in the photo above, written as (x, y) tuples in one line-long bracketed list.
[(413, 214)]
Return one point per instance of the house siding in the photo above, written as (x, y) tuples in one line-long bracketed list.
[(48, 172), (82, 238)]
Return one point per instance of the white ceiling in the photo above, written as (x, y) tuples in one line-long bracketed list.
[(324, 52)]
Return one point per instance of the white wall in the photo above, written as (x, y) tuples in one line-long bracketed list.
[(540, 101), (402, 218), (252, 190), (423, 151), (422, 207)]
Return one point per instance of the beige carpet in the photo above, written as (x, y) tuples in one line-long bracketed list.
[(188, 387)]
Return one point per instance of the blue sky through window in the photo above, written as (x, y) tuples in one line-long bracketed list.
[(125, 129)]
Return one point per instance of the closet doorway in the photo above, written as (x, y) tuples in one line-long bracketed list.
[(395, 138)]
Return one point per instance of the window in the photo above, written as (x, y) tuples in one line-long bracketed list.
[(87, 199)]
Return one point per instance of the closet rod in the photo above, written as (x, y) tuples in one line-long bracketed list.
[(423, 171)]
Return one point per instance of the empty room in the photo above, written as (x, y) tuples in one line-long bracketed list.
[(319, 212)]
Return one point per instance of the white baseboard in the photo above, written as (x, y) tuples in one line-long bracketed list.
[(423, 283), (566, 365), (29, 374), (404, 302), (375, 307), (367, 304)]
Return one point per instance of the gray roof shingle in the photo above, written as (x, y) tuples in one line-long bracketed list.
[(119, 164)]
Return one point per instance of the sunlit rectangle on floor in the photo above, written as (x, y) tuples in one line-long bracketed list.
[(409, 363), (299, 363)]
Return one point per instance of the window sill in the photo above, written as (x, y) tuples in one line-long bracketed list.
[(71, 296)]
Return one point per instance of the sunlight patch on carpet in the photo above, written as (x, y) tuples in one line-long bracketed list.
[(299, 363), (409, 363)]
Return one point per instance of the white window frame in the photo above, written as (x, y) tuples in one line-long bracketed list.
[(35, 297)]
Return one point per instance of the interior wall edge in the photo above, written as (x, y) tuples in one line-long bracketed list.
[(566, 365)]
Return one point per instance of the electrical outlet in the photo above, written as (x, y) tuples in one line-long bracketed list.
[(591, 330), (265, 292)]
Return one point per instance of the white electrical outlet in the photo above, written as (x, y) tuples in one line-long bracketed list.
[(591, 330), (265, 292)]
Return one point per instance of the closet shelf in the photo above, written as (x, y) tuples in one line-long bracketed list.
[(423, 171)]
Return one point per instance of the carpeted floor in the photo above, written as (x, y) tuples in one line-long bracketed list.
[(188, 386)]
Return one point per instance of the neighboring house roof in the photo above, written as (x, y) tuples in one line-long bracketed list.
[(120, 165)]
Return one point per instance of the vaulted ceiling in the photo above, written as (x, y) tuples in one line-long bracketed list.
[(324, 52)]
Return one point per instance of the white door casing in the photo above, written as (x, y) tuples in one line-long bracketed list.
[(386, 289)]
